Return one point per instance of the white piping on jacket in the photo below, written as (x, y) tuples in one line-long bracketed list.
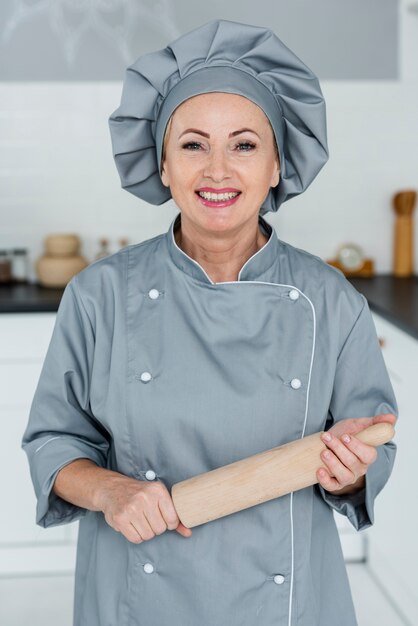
[(303, 433), (259, 282), (189, 257), (201, 268), (45, 442), (254, 255)]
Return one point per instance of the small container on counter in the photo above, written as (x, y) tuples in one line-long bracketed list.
[(61, 260), (5, 267), (104, 249), (20, 265)]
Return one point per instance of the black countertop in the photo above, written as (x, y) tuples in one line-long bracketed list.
[(28, 298), (395, 299)]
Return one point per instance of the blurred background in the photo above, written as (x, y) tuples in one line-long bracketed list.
[(62, 64)]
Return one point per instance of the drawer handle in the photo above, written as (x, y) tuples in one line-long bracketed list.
[(382, 342)]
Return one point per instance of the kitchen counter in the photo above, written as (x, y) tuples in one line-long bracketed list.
[(395, 299), (28, 298)]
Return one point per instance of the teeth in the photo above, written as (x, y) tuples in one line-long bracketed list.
[(217, 197)]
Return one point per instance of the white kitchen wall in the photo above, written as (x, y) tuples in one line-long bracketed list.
[(57, 172)]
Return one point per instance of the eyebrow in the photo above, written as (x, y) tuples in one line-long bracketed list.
[(233, 134)]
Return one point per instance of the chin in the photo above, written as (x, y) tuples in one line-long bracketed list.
[(220, 222)]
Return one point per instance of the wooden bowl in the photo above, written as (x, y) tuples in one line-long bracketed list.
[(62, 245), (56, 271)]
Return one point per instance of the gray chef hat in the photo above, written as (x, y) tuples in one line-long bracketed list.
[(224, 56)]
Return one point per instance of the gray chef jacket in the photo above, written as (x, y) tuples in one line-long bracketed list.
[(159, 373)]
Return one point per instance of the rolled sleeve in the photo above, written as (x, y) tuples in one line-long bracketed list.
[(61, 426), (362, 388)]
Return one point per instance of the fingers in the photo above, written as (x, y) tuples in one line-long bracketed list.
[(339, 474), (365, 453), (350, 450), (327, 482), (147, 511), (168, 512), (354, 425), (345, 461), (385, 417), (149, 521), (183, 530), (141, 529), (133, 535)]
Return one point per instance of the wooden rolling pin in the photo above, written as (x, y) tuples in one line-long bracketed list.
[(258, 478)]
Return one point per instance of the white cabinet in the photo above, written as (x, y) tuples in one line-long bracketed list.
[(393, 546), (24, 546)]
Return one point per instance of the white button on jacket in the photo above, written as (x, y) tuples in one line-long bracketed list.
[(150, 475), (279, 579), (221, 357)]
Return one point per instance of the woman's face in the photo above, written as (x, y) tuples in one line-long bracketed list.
[(205, 149)]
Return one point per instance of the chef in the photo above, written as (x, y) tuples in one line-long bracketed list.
[(206, 344)]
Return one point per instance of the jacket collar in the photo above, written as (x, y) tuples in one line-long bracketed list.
[(254, 267)]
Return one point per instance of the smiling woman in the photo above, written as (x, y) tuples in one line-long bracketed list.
[(205, 345)]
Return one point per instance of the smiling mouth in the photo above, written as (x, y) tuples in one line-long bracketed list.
[(217, 200), (221, 196)]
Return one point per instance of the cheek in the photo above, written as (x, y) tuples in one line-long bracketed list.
[(186, 168), (257, 178), (183, 184)]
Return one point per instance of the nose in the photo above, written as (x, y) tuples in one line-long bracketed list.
[(217, 166)]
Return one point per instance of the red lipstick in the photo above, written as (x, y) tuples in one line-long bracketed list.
[(224, 190), (221, 203)]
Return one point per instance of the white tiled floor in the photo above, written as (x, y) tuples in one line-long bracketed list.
[(47, 601)]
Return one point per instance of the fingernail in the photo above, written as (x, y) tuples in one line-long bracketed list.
[(346, 438), (326, 437)]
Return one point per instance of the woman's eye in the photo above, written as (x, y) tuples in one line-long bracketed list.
[(191, 143), (246, 143)]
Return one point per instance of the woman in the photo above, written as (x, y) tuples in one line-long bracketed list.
[(205, 345)]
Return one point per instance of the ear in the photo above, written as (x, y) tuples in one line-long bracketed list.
[(276, 175), (164, 177)]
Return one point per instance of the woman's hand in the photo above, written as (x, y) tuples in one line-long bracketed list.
[(347, 458), (138, 509)]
